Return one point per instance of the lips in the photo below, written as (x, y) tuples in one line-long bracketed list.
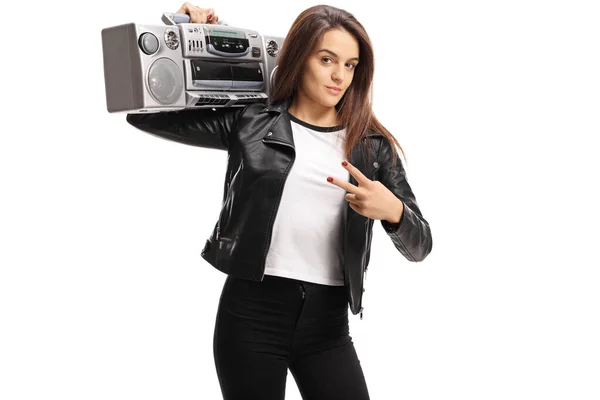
[(333, 89)]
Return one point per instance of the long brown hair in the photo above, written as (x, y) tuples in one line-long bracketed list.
[(354, 109)]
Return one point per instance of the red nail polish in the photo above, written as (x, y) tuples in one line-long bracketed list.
[(344, 163), (330, 179)]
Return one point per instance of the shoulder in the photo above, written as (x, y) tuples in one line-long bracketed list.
[(388, 152), (248, 113), (252, 109), (380, 142), (256, 110)]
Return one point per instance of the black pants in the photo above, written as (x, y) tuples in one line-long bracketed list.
[(264, 328)]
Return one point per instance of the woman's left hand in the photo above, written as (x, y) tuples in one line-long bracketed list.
[(370, 198)]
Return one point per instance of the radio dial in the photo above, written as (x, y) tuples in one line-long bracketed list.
[(272, 48), (171, 39)]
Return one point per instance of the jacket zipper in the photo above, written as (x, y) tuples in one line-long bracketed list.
[(231, 180), (362, 297), (274, 214), (374, 177)]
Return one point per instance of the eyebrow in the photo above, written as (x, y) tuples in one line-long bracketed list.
[(335, 55)]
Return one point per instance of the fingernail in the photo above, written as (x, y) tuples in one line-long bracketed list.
[(344, 163), (330, 179)]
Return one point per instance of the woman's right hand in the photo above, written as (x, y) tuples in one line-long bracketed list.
[(199, 15)]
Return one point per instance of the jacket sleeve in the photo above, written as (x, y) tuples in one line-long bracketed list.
[(412, 235), (199, 127)]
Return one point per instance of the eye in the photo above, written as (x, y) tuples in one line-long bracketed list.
[(325, 58), (352, 66)]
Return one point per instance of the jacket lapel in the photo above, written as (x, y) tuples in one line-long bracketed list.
[(280, 131)]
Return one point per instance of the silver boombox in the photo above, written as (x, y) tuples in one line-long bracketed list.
[(153, 68)]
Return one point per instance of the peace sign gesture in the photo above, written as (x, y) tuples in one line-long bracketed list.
[(370, 198)]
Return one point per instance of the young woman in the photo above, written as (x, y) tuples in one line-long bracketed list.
[(307, 176)]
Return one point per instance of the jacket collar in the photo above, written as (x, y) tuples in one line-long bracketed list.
[(280, 133)]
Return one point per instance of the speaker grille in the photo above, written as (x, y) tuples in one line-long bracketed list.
[(165, 81)]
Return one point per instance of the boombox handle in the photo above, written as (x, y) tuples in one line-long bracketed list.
[(174, 19)]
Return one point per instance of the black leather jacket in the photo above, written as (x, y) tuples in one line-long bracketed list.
[(261, 151)]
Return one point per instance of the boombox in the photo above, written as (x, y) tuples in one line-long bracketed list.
[(179, 65)]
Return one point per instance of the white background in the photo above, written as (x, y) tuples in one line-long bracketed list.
[(104, 294)]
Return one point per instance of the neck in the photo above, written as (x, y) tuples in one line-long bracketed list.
[(312, 112)]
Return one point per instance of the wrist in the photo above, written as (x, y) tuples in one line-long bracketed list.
[(395, 217)]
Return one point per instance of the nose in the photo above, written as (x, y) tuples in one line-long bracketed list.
[(338, 75)]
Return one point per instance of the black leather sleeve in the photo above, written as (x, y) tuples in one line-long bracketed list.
[(200, 127), (412, 235)]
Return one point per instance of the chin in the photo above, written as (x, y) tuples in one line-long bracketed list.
[(331, 102)]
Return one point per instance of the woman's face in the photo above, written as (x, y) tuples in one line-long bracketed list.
[(331, 65)]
